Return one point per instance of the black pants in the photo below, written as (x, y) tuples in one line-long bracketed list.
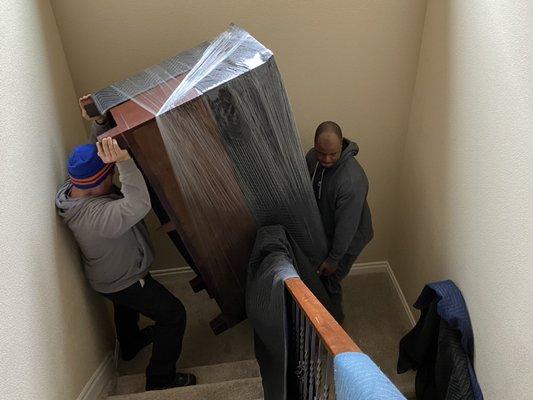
[(333, 283), (157, 303)]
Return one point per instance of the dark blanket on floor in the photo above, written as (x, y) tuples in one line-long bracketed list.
[(441, 346), (275, 258)]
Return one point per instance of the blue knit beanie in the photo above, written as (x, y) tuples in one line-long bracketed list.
[(85, 168)]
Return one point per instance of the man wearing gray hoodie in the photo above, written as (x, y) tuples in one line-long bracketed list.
[(117, 254), (340, 186)]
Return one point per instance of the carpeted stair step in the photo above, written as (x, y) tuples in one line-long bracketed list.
[(408, 391), (240, 389), (127, 384), (405, 386)]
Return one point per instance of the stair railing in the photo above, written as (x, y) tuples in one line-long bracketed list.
[(316, 338)]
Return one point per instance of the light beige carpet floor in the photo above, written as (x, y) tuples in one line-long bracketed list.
[(375, 319)]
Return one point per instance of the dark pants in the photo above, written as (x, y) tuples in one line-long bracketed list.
[(333, 283), (157, 303)]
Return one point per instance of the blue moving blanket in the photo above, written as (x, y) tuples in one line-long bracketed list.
[(358, 378), (276, 258), (441, 346)]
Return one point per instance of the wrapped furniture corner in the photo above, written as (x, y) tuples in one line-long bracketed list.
[(213, 133)]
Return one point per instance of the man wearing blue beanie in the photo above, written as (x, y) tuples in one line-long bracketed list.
[(116, 250)]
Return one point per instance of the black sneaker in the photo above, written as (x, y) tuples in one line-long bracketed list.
[(146, 338), (180, 380)]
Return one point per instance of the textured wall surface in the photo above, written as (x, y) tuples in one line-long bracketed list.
[(456, 189), (54, 331), (350, 61), (466, 200)]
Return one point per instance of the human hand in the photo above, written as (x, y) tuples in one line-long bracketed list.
[(110, 152), (326, 269), (99, 118)]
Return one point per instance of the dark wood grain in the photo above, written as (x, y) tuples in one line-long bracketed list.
[(219, 241)]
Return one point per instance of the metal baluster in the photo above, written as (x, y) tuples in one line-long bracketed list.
[(293, 360), (306, 357), (331, 378), (312, 363), (293, 315), (325, 391), (318, 379), (294, 331), (301, 364)]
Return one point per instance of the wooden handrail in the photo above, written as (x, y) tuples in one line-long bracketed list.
[(333, 336)]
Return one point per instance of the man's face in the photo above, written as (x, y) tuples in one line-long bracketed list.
[(328, 148)]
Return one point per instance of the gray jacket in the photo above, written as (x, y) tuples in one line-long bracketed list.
[(341, 193), (114, 242)]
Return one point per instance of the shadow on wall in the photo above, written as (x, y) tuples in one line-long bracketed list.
[(426, 167), (81, 331)]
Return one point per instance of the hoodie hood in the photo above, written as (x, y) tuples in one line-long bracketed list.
[(349, 149), (67, 206)]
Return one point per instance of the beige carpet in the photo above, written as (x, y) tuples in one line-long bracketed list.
[(200, 345), (375, 319)]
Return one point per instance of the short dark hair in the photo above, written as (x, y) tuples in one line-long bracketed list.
[(328, 126)]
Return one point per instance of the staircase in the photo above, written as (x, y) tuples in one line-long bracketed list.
[(234, 380), (225, 366)]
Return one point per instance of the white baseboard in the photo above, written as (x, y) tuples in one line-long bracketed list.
[(357, 268), (116, 353), (368, 268), (408, 310), (384, 266), (158, 272), (99, 380)]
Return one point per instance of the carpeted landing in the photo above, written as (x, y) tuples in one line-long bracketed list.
[(225, 364)]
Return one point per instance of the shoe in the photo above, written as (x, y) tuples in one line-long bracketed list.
[(146, 338), (180, 380)]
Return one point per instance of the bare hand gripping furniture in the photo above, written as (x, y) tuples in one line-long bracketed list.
[(213, 133)]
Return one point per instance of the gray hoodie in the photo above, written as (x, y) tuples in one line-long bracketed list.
[(110, 231), (341, 193)]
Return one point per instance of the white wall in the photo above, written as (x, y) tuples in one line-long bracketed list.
[(54, 331), (350, 61), (463, 200), (466, 210)]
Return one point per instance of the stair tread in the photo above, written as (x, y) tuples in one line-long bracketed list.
[(364, 313), (239, 389), (127, 384)]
